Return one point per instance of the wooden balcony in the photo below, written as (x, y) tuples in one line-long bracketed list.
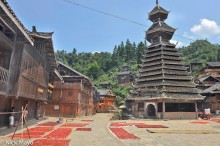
[(3, 74), (3, 80)]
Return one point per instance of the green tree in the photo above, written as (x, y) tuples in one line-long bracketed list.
[(218, 58), (140, 52), (93, 70), (200, 50)]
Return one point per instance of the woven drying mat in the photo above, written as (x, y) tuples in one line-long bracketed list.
[(182, 131)]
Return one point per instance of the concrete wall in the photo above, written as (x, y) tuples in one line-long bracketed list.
[(180, 115)]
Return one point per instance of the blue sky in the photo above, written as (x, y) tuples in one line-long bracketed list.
[(89, 31)]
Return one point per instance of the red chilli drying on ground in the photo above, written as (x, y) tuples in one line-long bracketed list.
[(50, 142), (36, 132), (123, 134), (83, 129), (25, 136), (59, 133), (40, 129), (48, 124)]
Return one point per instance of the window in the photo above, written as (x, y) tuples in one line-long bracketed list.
[(160, 107), (179, 107), (171, 107), (140, 106)]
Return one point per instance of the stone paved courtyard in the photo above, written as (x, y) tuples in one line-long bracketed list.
[(98, 130)]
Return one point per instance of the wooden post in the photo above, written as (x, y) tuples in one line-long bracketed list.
[(133, 107), (21, 120), (164, 109), (196, 110), (61, 94), (145, 109)]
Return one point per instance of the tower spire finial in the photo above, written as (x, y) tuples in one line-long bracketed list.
[(157, 2)]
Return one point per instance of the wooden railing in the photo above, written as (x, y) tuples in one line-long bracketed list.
[(3, 74)]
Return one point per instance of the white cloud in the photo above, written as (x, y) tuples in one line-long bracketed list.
[(206, 28), (180, 44), (96, 52)]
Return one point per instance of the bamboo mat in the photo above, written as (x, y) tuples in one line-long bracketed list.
[(182, 131)]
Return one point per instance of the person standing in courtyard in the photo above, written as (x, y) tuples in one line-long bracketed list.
[(11, 117)]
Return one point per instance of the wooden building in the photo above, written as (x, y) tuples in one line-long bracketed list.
[(105, 85), (205, 82), (26, 60), (212, 97), (76, 96), (107, 101), (212, 69), (163, 88), (125, 77)]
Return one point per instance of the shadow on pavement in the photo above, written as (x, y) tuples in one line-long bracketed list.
[(6, 130)]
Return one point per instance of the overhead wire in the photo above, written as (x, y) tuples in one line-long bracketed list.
[(105, 13), (118, 17)]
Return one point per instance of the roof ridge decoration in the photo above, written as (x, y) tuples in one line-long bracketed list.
[(8, 10), (44, 35)]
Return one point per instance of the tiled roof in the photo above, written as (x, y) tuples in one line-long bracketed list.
[(206, 77), (161, 25), (104, 92), (213, 64), (124, 73), (5, 3), (80, 74), (158, 9), (212, 89), (45, 35), (105, 83)]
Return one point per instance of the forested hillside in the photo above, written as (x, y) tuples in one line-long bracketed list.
[(202, 51), (103, 66)]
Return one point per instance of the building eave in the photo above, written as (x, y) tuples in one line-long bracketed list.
[(164, 98), (6, 8)]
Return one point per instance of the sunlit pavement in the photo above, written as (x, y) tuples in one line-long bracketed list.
[(98, 130)]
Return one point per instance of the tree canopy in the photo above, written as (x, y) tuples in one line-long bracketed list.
[(200, 51)]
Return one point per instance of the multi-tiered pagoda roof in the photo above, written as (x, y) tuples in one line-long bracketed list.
[(162, 74)]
